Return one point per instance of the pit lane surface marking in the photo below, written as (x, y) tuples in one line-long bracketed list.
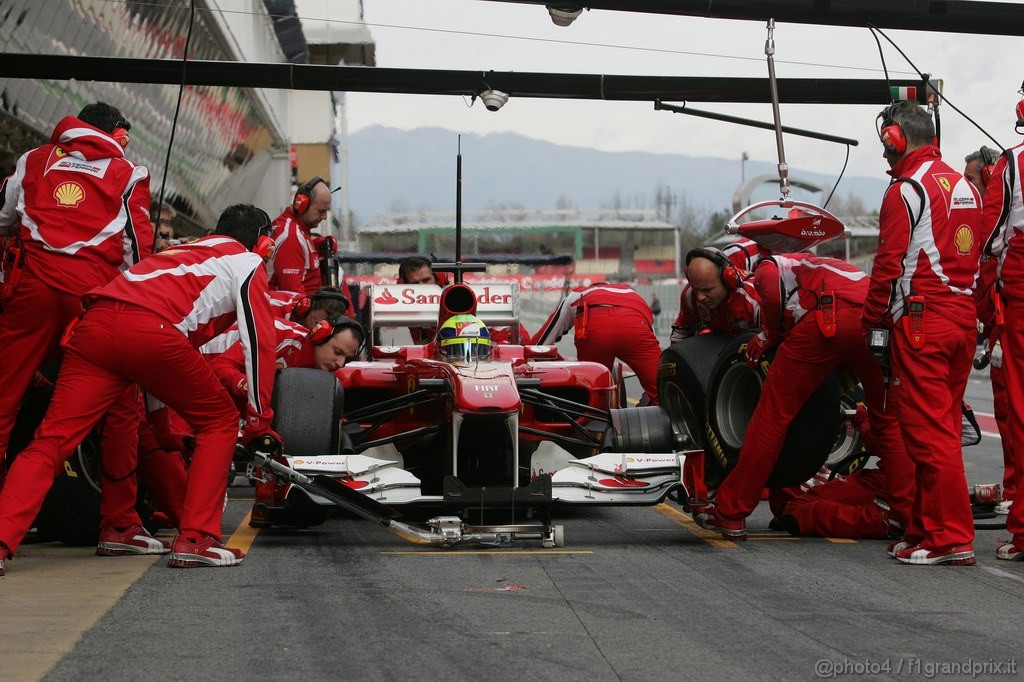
[(51, 597), (244, 536), (710, 537)]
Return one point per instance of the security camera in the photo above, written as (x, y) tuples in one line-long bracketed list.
[(493, 99), (563, 15)]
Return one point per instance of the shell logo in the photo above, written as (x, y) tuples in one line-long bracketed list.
[(945, 184), (964, 240), (69, 194)]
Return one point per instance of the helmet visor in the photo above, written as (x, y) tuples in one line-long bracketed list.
[(466, 348)]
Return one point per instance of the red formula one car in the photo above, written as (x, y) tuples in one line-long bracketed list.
[(490, 443)]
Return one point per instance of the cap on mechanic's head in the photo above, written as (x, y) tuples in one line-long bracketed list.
[(464, 338)]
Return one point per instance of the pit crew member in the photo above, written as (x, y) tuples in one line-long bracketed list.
[(295, 262), (978, 170), (921, 296), (718, 296), (853, 506), (811, 308), (610, 321), (1003, 226), (143, 328), (78, 211)]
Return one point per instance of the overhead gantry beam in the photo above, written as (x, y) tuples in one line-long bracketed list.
[(444, 82), (947, 16)]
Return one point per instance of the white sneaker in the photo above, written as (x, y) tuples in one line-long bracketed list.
[(1004, 507)]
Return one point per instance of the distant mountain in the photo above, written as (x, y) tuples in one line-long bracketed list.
[(399, 170)]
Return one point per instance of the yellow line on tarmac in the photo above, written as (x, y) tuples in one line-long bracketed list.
[(842, 541), (710, 537), (51, 596), (244, 535), (468, 552)]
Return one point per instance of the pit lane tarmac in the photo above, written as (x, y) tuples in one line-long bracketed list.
[(637, 594)]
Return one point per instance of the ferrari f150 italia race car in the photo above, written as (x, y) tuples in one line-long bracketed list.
[(501, 437)]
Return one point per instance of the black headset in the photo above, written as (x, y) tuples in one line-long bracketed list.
[(325, 330)]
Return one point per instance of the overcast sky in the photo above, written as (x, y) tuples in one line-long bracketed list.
[(981, 74)]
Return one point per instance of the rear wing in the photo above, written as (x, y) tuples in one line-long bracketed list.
[(418, 305)]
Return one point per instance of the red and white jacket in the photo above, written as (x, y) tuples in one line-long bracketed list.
[(740, 312), (295, 263), (79, 207), (929, 242), (202, 288), (281, 305), (789, 285), (581, 298), (292, 341), (1002, 221), (745, 253)]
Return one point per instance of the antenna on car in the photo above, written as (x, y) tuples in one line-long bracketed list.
[(458, 267), (458, 210)]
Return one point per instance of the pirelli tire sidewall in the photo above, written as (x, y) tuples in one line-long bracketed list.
[(733, 394), (308, 406), (683, 375)]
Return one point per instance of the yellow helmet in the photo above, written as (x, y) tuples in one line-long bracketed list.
[(464, 338)]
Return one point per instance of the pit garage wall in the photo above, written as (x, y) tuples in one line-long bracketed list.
[(230, 142)]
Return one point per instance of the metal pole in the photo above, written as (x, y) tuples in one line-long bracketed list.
[(769, 51)]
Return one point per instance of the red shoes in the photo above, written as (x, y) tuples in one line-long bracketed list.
[(189, 552), (133, 540), (712, 519), (962, 555), (1008, 552)]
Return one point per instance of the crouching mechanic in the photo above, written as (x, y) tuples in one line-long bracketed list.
[(327, 347), (610, 321), (811, 307), (144, 328), (718, 296)]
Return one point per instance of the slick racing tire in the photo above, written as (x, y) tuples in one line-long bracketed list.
[(308, 405), (683, 376), (733, 393)]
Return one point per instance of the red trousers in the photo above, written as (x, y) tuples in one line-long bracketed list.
[(162, 471), (927, 390), (1001, 408), (1013, 368), (115, 346), (30, 330), (842, 508), (804, 359), (615, 332)]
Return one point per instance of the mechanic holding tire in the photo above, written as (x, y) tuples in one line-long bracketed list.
[(143, 328), (811, 307), (1003, 224), (718, 296), (921, 298), (610, 321)]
